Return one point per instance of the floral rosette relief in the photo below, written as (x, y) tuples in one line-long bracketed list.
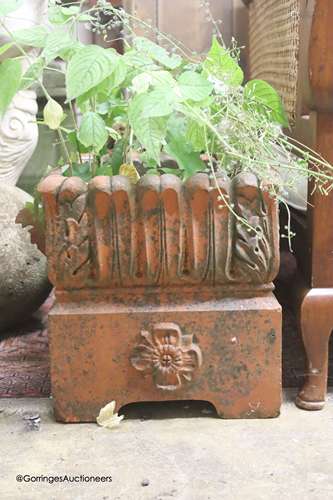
[(170, 356)]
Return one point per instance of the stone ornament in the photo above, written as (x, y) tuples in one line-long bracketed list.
[(18, 136), (23, 268), (18, 126), (168, 355)]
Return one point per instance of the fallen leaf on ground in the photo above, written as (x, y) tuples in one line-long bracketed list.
[(107, 418)]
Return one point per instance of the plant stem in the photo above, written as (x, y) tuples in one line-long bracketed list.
[(64, 145)]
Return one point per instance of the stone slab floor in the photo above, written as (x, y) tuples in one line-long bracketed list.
[(168, 451)]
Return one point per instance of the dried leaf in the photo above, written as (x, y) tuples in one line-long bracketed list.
[(107, 418), (129, 170)]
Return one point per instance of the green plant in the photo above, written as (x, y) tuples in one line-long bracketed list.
[(156, 99)]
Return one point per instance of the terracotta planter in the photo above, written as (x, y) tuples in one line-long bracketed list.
[(162, 294)]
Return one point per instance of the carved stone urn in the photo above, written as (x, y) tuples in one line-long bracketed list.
[(163, 294)]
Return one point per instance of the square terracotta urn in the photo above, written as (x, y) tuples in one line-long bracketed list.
[(163, 293)]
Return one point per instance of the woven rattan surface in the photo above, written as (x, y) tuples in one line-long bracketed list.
[(274, 47)]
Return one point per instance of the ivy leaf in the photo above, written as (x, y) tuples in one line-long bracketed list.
[(33, 37), (156, 52), (266, 100), (221, 65), (10, 80), (93, 131), (180, 150), (8, 6), (193, 86), (87, 68), (150, 132)]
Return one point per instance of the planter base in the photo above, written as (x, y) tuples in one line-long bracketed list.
[(223, 350)]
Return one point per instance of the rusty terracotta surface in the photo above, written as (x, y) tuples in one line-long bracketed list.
[(162, 294), (159, 232)]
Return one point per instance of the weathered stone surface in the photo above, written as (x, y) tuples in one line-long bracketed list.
[(23, 268), (163, 294)]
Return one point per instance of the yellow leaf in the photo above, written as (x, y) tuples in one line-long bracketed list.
[(129, 171)]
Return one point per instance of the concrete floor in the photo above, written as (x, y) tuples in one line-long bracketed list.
[(154, 454)]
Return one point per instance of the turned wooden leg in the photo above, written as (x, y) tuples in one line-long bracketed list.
[(316, 325)]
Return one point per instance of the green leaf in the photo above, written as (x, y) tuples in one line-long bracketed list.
[(88, 67), (193, 86), (221, 65), (143, 81), (81, 170), (141, 61), (92, 131), (150, 132), (113, 133), (77, 146), (32, 74), (5, 47), (10, 80), (149, 163), (173, 171), (84, 18), (264, 98), (118, 155), (159, 102), (70, 11), (8, 6), (180, 150), (195, 134), (159, 54), (56, 16), (119, 71), (104, 170), (33, 37), (56, 43)]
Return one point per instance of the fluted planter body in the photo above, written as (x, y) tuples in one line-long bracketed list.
[(163, 293)]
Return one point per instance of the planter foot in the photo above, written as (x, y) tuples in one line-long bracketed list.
[(309, 405)]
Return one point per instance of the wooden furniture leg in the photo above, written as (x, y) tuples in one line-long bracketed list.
[(316, 324), (317, 306)]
